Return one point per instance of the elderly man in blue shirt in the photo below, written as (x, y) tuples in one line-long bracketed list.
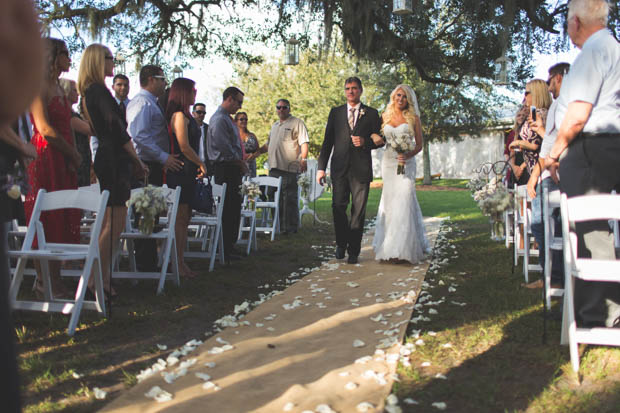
[(224, 151)]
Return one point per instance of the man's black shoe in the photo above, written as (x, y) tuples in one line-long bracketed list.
[(340, 253), (352, 259)]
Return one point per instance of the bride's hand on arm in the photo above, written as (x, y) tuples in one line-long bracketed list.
[(377, 139)]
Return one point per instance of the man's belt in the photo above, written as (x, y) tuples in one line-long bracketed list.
[(599, 135)]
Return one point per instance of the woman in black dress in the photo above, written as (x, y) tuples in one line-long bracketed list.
[(116, 155), (184, 140)]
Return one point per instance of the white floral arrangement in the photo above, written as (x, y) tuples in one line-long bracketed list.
[(304, 183), (149, 203), (401, 143), (250, 189), (493, 198)]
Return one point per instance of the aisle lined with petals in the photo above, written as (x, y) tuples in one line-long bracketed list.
[(326, 343)]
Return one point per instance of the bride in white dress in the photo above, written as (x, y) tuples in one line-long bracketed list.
[(400, 232)]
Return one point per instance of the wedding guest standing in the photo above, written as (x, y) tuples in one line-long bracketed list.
[(536, 95), (57, 157), (184, 140), (589, 131), (115, 156), (20, 79), (250, 142), (82, 132), (224, 150)]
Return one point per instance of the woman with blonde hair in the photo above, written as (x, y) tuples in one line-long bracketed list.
[(400, 234), (57, 157), (115, 156), (536, 95)]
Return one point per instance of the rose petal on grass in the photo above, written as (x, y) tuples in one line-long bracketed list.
[(99, 394), (440, 405), (162, 347)]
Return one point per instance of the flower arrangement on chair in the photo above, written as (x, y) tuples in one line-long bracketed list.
[(493, 199), (147, 205), (304, 184), (252, 191)]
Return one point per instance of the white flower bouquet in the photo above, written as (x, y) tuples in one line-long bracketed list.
[(401, 143), (147, 205), (15, 183), (304, 183), (493, 198), (250, 189)]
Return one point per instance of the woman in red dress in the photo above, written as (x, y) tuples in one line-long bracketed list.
[(57, 157)]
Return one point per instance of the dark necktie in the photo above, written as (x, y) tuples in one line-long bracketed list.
[(123, 109)]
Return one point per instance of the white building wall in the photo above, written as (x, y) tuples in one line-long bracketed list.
[(456, 159)]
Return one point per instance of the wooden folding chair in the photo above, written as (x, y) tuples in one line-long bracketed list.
[(89, 253), (579, 209)]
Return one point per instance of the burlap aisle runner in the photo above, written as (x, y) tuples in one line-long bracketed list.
[(332, 346)]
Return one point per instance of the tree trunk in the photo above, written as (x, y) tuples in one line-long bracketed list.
[(427, 164)]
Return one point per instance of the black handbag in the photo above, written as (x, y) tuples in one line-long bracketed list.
[(203, 197)]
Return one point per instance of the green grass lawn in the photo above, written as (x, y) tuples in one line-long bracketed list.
[(497, 361)]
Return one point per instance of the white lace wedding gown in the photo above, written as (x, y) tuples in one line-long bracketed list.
[(399, 231)]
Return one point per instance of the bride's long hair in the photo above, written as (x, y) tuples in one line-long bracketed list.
[(411, 111)]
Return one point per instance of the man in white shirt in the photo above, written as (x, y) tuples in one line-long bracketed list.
[(589, 131), (288, 152)]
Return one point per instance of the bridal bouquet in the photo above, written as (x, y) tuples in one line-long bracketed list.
[(401, 143), (147, 205)]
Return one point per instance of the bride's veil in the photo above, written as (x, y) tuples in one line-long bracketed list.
[(410, 97)]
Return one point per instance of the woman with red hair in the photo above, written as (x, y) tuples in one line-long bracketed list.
[(184, 140)]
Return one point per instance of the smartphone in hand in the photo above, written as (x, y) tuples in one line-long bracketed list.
[(534, 113)]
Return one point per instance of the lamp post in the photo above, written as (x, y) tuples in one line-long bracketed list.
[(402, 7), (177, 72), (502, 67), (119, 61), (291, 53)]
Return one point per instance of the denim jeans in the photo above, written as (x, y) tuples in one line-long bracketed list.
[(538, 230)]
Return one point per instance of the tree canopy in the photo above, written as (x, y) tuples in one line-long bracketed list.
[(446, 41)]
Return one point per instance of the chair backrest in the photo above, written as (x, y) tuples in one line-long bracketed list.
[(92, 187), (219, 196), (71, 198), (270, 181), (586, 208), (172, 201)]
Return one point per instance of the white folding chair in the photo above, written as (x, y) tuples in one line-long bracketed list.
[(509, 225), (89, 253), (168, 253), (550, 201), (523, 232), (247, 228), (268, 212), (578, 209), (209, 230)]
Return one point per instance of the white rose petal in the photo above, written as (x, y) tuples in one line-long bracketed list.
[(210, 364), (358, 343), (350, 386), (162, 347), (409, 400), (203, 376), (344, 373), (324, 408), (440, 376), (77, 375), (288, 407), (99, 394), (393, 409), (440, 405), (365, 407), (392, 399), (447, 345), (158, 394), (426, 364), (432, 311), (419, 342)]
